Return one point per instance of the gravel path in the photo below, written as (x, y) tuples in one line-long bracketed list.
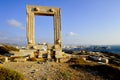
[(35, 71), (48, 71)]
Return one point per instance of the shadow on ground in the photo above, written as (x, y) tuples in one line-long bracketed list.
[(105, 71), (5, 50)]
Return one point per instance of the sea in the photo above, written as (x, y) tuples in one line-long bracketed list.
[(99, 48), (112, 49)]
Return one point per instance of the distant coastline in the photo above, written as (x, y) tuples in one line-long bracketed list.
[(97, 48), (113, 49)]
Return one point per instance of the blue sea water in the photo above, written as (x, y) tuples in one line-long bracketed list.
[(114, 49), (110, 49)]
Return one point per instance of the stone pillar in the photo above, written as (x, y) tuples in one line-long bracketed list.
[(55, 31), (57, 28), (30, 29)]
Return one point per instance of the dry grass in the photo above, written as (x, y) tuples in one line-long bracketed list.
[(108, 72), (7, 74), (7, 49), (10, 48), (80, 61)]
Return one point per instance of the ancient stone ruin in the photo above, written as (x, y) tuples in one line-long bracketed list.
[(43, 11), (40, 51), (54, 51)]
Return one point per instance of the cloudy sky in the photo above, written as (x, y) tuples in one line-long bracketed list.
[(83, 21)]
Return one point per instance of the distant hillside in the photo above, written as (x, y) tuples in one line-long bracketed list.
[(7, 48)]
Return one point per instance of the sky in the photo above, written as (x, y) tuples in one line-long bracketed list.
[(83, 22)]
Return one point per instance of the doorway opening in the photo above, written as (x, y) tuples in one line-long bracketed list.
[(44, 29)]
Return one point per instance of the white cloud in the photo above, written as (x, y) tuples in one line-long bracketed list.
[(15, 23), (71, 34)]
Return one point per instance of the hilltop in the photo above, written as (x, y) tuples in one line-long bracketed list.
[(75, 69)]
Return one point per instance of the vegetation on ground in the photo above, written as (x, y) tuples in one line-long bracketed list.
[(7, 74), (113, 58), (65, 75), (105, 71)]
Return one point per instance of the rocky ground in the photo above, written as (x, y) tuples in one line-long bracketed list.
[(49, 71)]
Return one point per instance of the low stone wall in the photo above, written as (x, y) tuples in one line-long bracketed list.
[(20, 59)]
